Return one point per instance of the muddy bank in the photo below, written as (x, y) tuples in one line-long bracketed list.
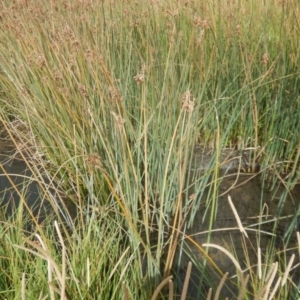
[(228, 160)]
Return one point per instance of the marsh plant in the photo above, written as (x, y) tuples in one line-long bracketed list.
[(114, 96)]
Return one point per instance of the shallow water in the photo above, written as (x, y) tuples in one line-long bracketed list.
[(19, 186), (255, 205), (258, 210)]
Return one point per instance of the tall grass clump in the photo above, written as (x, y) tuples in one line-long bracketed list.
[(117, 93), (36, 267)]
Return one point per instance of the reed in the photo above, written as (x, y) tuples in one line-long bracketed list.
[(114, 96)]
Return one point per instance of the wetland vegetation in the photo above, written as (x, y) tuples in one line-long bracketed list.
[(104, 104)]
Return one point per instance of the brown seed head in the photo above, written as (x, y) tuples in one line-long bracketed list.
[(188, 101), (265, 59)]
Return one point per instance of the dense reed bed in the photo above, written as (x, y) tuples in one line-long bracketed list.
[(113, 96)]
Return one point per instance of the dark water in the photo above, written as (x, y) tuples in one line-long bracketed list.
[(18, 176), (19, 188), (16, 181)]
